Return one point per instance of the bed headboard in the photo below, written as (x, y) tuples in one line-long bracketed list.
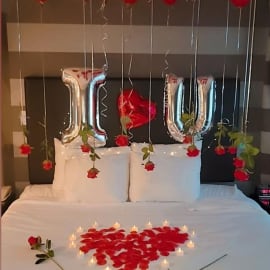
[(213, 169)]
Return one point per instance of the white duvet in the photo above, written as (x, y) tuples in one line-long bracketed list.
[(224, 221)]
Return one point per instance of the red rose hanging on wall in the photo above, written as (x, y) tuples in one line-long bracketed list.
[(130, 2), (169, 2), (42, 2), (240, 3)]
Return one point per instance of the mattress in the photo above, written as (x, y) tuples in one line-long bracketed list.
[(227, 229)]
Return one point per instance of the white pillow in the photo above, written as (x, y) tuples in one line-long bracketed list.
[(71, 150), (111, 184), (176, 177)]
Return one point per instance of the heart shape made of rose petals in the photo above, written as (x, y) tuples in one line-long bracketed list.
[(139, 110), (133, 250)]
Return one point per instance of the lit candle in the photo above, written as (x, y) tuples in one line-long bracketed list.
[(107, 268), (190, 244), (165, 264), (92, 261), (95, 225), (116, 225), (134, 229), (165, 223), (149, 225), (179, 252), (72, 244), (193, 234), (72, 237), (184, 228), (80, 254), (79, 229)]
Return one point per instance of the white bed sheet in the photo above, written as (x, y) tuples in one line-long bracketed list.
[(225, 222)]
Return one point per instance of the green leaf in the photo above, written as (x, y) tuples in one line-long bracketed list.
[(92, 157), (48, 244), (97, 156), (145, 156), (40, 261), (51, 253), (151, 148), (42, 256), (145, 149)]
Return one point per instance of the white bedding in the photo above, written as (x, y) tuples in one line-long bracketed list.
[(224, 221)]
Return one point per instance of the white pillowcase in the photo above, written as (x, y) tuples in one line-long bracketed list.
[(111, 184), (64, 152), (176, 177)]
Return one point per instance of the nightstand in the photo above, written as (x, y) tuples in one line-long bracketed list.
[(7, 197)]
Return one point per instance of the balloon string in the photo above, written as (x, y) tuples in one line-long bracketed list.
[(243, 128), (250, 64), (44, 92), (196, 50), (131, 55), (237, 69), (150, 73), (224, 62), (191, 63), (84, 36), (105, 34)]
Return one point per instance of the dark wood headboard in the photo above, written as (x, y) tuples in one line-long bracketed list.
[(214, 169)]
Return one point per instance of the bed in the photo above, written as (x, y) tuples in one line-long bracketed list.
[(183, 215)]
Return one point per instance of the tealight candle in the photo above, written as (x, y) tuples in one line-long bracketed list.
[(80, 254), (72, 244), (92, 261), (72, 237), (95, 225), (193, 234), (149, 225), (190, 244), (134, 229), (165, 223), (184, 228), (107, 268), (116, 225), (179, 252), (79, 229), (165, 264)]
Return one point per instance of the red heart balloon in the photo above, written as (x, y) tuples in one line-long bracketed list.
[(240, 3), (137, 108)]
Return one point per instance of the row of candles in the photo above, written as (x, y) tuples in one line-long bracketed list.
[(164, 263)]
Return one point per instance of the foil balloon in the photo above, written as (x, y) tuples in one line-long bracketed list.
[(174, 106), (240, 3), (138, 109), (205, 105), (83, 85)]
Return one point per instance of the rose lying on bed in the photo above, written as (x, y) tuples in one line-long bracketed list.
[(45, 253)]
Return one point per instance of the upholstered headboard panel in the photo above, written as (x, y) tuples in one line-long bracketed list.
[(57, 111)]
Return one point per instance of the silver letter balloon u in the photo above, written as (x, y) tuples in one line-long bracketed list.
[(83, 85), (204, 105)]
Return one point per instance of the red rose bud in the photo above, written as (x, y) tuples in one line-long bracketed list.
[(149, 166), (34, 242), (92, 173), (220, 150), (187, 139), (241, 175), (232, 150), (121, 140), (25, 149), (85, 148), (239, 163), (192, 151), (47, 165)]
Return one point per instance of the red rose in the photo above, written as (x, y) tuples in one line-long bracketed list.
[(232, 150), (121, 140), (192, 151), (34, 241), (130, 2), (187, 139), (92, 173), (25, 149), (220, 150), (169, 2), (85, 148), (241, 175), (239, 163), (47, 165), (149, 166)]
